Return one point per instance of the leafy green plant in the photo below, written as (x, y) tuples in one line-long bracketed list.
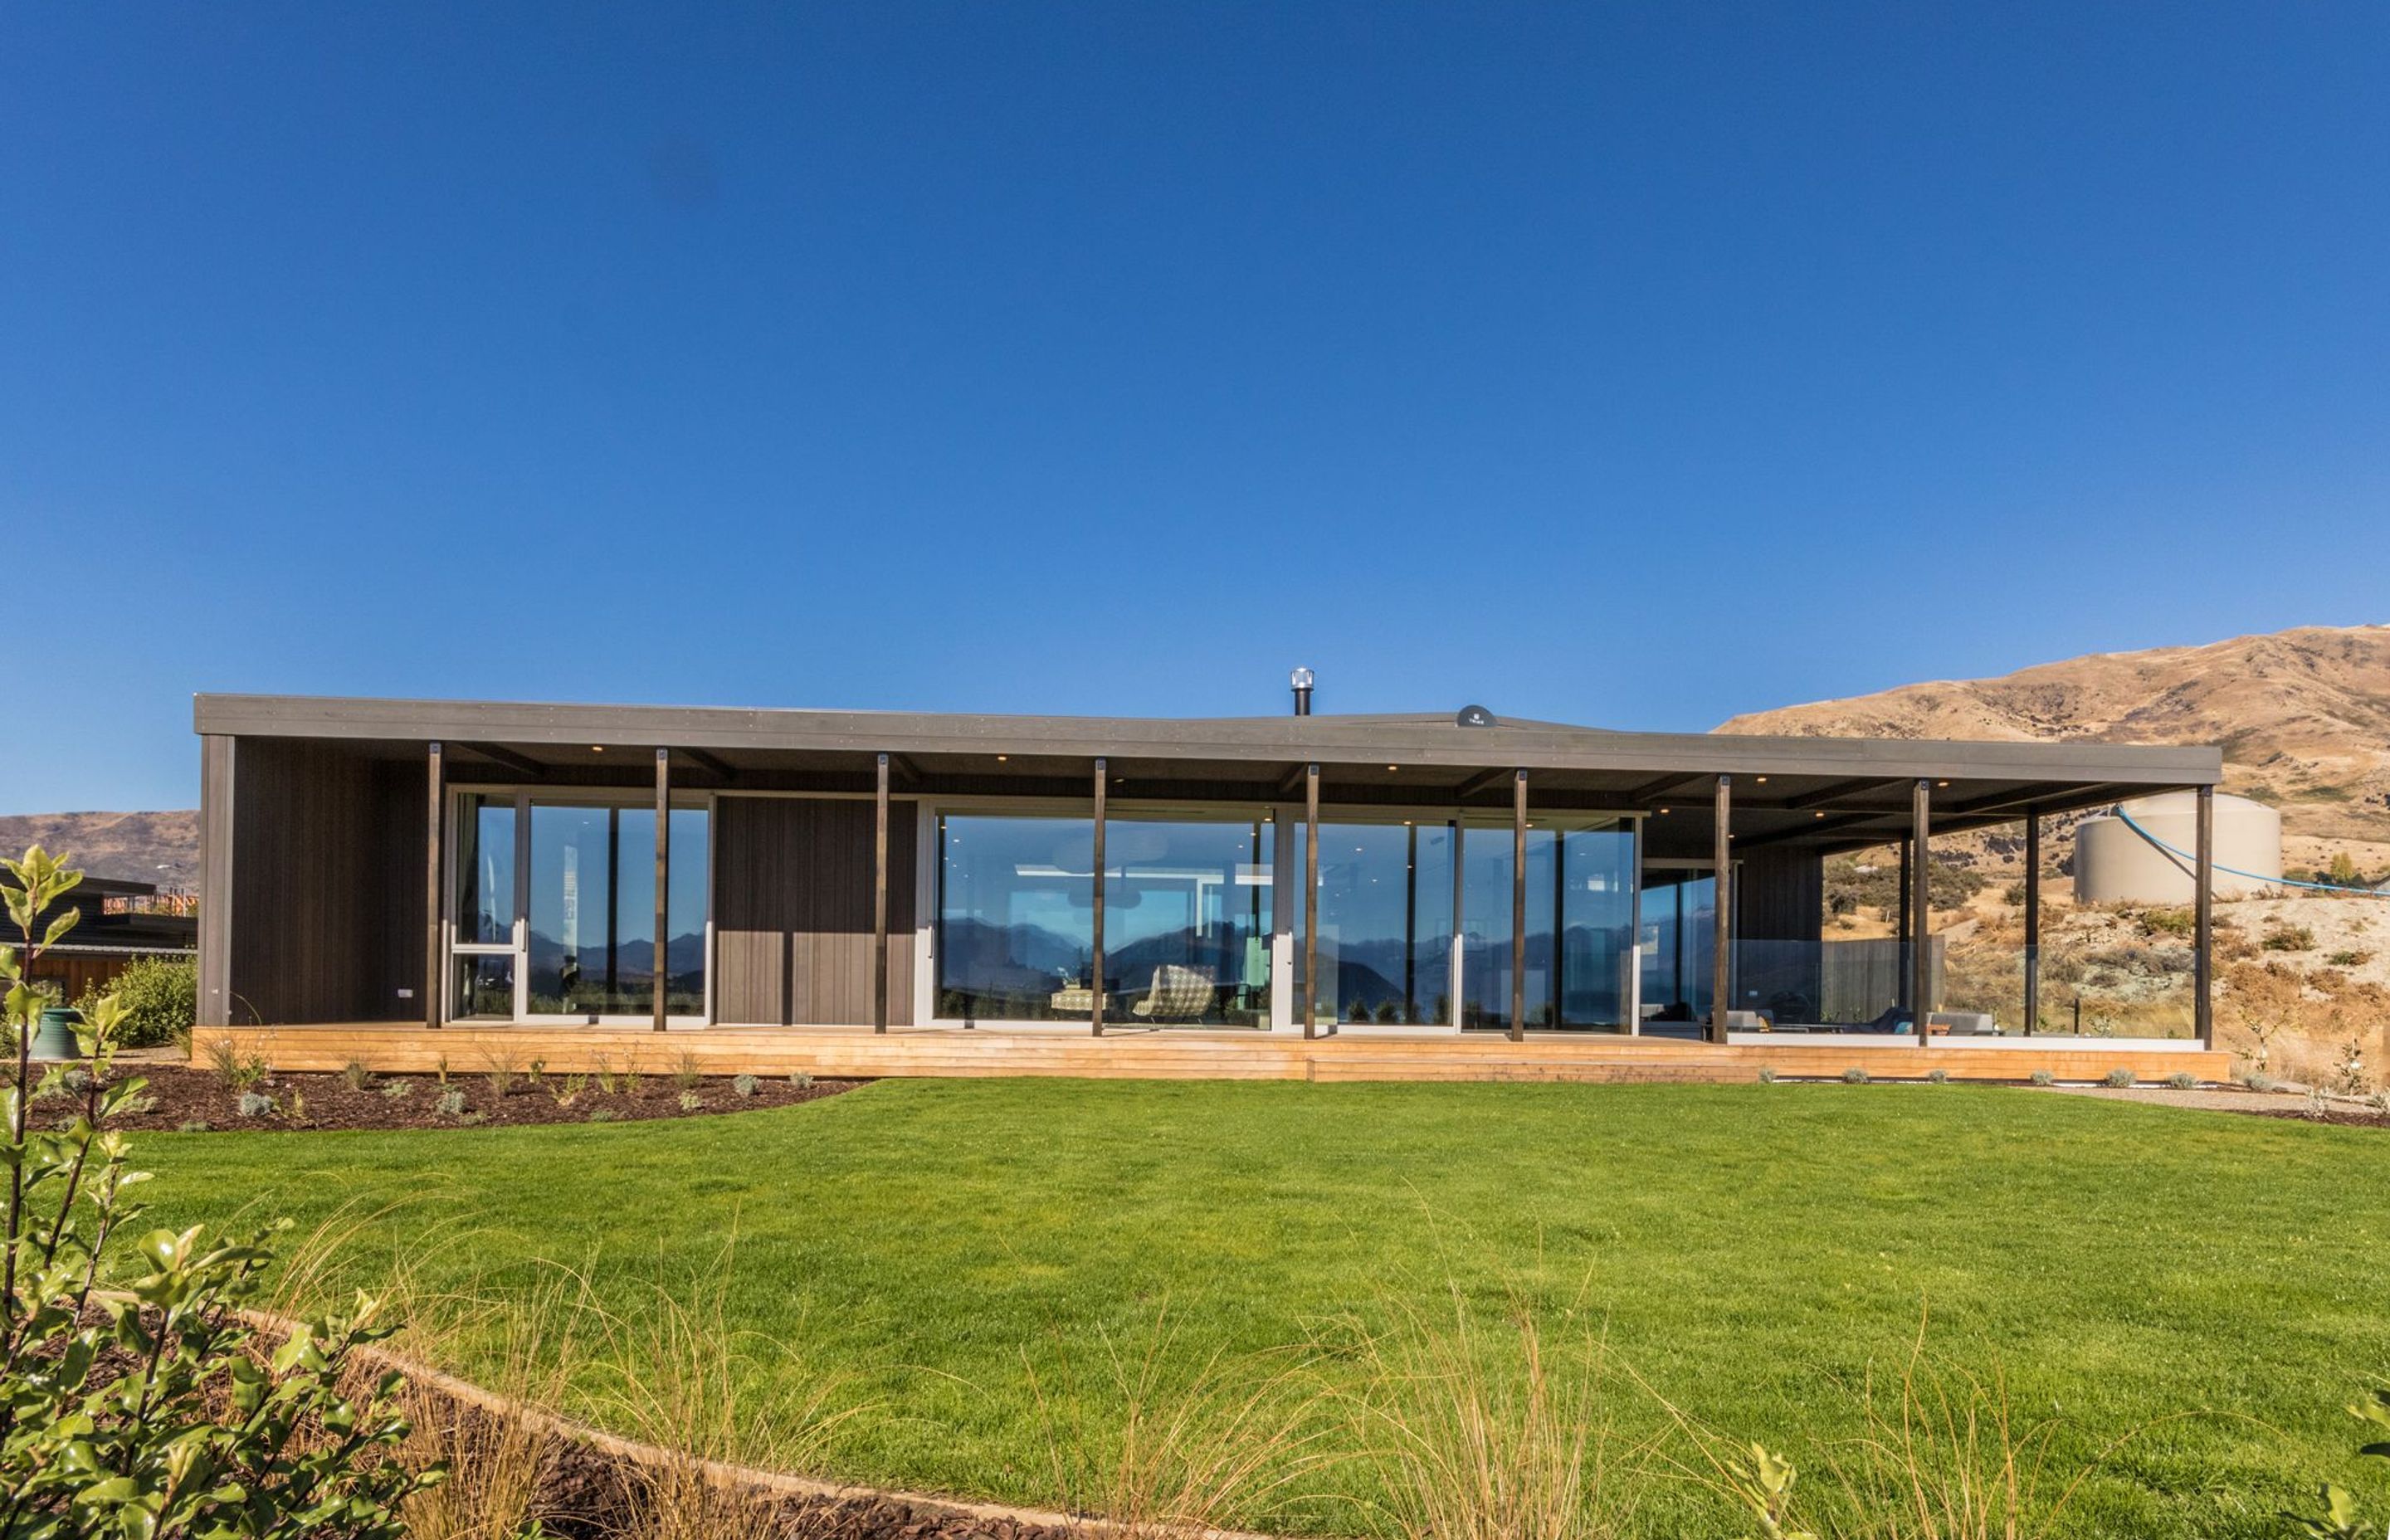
[(136, 1398), (567, 1091), (1937, 1077), (602, 1114), (2043, 1077), (355, 1075), (256, 1104), (192, 1126), (2279, 937), (1854, 1076), (744, 1085), (2348, 958), (2121, 1077), (2183, 1080), (451, 1103), (159, 997), (397, 1090), (1767, 1075), (690, 1101), (801, 1080)]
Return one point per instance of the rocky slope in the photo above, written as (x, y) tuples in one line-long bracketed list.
[(163, 848), (2303, 717)]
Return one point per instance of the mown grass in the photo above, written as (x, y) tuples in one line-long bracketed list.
[(965, 1258)]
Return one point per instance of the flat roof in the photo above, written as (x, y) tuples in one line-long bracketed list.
[(1844, 791)]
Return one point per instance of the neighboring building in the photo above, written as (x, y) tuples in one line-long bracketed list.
[(116, 921), (433, 862)]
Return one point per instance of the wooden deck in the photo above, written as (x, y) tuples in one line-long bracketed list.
[(1176, 1054)]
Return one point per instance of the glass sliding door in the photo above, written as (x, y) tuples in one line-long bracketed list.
[(1186, 922), (1385, 923), (1187, 919), (1485, 893), (1679, 935), (1580, 925), (590, 946), (1016, 917), (483, 898), (1596, 930), (552, 910)]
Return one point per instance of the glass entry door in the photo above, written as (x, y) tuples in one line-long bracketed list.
[(554, 917)]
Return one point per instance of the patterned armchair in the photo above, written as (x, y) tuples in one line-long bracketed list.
[(1177, 994)]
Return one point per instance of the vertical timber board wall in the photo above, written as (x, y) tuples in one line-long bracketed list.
[(397, 874), (1779, 919), (792, 911), (316, 867)]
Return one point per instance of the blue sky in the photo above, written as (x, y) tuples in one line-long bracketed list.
[(1628, 366)]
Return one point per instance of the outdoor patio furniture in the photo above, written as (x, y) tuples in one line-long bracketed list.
[(1072, 1000), (1178, 993), (1962, 1023)]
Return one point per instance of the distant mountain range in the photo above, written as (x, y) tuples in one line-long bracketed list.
[(163, 848)]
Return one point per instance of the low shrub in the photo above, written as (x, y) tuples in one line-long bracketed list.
[(2262, 1082), (256, 1104), (2348, 958), (159, 997), (2168, 922), (357, 1075), (2043, 1077), (601, 1114), (744, 1086), (2288, 938), (1937, 1077), (2183, 1080), (450, 1104), (2120, 1077), (800, 1079), (397, 1090), (1767, 1075), (1854, 1076), (192, 1126), (690, 1101), (688, 1070)]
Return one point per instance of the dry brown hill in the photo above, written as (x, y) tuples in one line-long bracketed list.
[(2303, 717), (163, 848)]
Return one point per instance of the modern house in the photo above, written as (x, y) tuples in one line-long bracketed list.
[(432, 866)]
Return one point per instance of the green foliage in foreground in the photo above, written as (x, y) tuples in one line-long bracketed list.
[(134, 1401), (965, 1255)]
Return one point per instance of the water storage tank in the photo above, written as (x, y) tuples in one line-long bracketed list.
[(2112, 864)]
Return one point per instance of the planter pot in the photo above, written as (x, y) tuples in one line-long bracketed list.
[(54, 1035)]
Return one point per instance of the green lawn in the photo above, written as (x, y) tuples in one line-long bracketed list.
[(1751, 1251)]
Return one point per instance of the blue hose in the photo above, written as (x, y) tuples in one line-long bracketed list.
[(2235, 871)]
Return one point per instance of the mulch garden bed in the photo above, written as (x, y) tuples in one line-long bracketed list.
[(188, 1098), (2347, 1117)]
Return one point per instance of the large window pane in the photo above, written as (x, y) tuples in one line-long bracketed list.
[(1385, 923), (485, 871), (1679, 920), (1186, 923), (1016, 917), (1486, 868), (593, 930), (1597, 907)]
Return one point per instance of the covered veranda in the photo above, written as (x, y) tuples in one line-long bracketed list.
[(323, 816)]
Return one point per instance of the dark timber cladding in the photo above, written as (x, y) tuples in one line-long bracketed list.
[(324, 899), (792, 907)]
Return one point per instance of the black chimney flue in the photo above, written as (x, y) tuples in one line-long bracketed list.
[(1301, 680)]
